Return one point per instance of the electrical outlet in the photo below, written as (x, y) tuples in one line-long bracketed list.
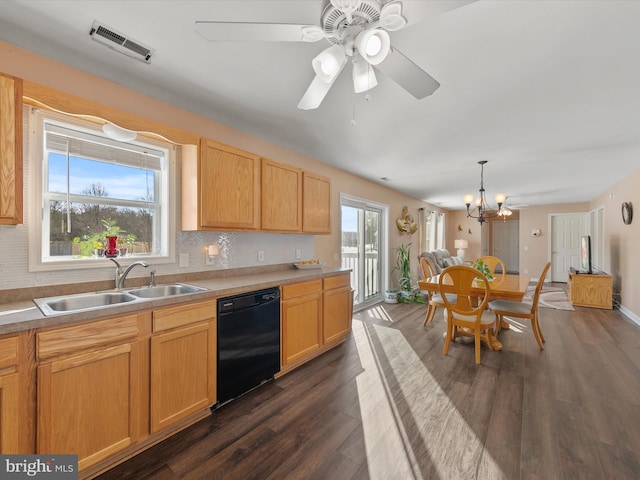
[(298, 253), (184, 260), (261, 255)]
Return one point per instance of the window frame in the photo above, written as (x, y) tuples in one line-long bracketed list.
[(165, 230)]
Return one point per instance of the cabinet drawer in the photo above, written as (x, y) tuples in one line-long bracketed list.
[(300, 289), (67, 340), (180, 315), (337, 281), (8, 352)]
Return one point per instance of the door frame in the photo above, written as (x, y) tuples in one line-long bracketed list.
[(584, 230), (383, 240)]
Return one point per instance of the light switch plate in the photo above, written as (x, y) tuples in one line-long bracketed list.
[(261, 255), (184, 260)]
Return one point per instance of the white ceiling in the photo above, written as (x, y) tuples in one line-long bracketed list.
[(546, 91)]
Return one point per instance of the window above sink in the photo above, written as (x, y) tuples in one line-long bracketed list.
[(86, 179)]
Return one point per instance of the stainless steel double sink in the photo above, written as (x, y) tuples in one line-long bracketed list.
[(82, 302)]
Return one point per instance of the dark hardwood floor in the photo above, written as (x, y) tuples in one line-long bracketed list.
[(387, 404)]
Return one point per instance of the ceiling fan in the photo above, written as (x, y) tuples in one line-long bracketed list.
[(356, 29)]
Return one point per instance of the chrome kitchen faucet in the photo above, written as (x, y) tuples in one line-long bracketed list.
[(121, 276)]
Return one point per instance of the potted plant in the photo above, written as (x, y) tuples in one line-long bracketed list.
[(409, 292), (482, 267), (96, 243), (125, 243), (92, 244), (391, 296)]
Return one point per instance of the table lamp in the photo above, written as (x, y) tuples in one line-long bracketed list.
[(461, 245)]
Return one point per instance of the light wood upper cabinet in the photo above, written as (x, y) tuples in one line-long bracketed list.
[(281, 197), (220, 188), (316, 203), (10, 150), (224, 188)]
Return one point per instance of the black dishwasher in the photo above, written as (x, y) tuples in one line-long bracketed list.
[(248, 342)]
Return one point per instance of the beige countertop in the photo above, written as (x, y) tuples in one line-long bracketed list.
[(25, 315)]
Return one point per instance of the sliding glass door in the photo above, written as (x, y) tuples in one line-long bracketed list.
[(363, 238)]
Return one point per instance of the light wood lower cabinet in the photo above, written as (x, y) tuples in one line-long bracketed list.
[(9, 414), (183, 363), (85, 404), (316, 316), (110, 388), (9, 397), (337, 307), (89, 388), (590, 290), (301, 312)]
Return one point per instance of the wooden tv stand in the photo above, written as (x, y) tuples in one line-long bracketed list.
[(590, 290)]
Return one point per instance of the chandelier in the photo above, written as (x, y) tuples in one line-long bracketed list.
[(482, 210)]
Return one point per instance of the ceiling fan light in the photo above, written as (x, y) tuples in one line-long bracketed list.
[(373, 45), (329, 63), (364, 78), (391, 17)]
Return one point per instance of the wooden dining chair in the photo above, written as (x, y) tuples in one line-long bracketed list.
[(435, 299), (467, 315), (508, 308), (492, 262)]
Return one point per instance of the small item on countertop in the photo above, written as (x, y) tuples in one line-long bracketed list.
[(309, 264)]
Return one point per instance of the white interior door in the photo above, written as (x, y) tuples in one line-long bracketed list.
[(506, 243), (566, 230)]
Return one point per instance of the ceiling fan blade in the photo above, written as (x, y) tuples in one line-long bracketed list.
[(416, 11), (408, 75), (254, 32)]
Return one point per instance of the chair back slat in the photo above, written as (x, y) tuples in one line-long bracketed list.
[(464, 279), (492, 262), (536, 295)]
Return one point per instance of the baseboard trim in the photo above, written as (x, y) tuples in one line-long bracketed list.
[(630, 315)]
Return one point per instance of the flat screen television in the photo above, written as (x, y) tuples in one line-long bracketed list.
[(585, 254)]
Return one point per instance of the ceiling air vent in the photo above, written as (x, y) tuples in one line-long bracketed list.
[(120, 42)]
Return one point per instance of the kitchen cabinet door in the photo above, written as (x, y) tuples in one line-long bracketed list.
[(281, 189), (337, 307), (9, 414), (87, 403), (316, 204), (9, 406), (220, 188), (10, 150), (301, 320), (183, 366)]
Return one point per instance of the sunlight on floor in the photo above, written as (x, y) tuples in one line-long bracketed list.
[(452, 445), (380, 313)]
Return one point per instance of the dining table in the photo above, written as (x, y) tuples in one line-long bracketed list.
[(503, 286)]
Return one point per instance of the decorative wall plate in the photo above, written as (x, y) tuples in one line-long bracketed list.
[(627, 213)]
